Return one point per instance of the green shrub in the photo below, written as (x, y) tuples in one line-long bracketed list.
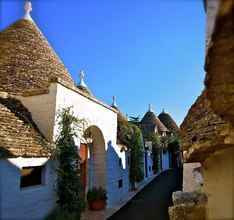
[(69, 187), (130, 135)]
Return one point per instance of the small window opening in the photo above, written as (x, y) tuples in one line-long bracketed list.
[(31, 176), (120, 183)]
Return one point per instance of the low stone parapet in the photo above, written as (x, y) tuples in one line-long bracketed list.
[(188, 206)]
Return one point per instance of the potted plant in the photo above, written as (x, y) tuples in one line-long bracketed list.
[(96, 198)]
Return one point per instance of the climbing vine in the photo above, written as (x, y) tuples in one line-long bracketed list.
[(69, 188)]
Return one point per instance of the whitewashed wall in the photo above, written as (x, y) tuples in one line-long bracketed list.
[(28, 203), (44, 109), (116, 172), (148, 160), (150, 165), (106, 120), (165, 160), (92, 112)]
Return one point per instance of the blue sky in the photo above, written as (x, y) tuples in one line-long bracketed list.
[(143, 52)]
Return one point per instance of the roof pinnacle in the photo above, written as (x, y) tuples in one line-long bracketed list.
[(114, 104), (82, 76), (150, 108), (27, 9)]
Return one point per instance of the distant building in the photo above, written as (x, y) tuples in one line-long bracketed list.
[(151, 124), (169, 123)]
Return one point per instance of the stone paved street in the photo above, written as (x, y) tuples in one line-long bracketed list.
[(151, 203)]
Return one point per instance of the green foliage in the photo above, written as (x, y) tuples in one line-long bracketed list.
[(135, 120), (124, 130), (130, 135), (136, 155), (60, 214), (69, 188), (156, 149), (96, 194), (174, 144)]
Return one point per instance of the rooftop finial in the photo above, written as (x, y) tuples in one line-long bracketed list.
[(27, 9), (114, 104), (82, 76), (150, 108)]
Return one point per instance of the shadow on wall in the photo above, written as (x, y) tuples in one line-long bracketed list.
[(4, 153), (114, 158), (118, 175)]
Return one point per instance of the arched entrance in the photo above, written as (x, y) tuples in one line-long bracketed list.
[(93, 159)]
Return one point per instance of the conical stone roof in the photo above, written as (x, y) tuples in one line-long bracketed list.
[(168, 121), (151, 120), (19, 135), (27, 61)]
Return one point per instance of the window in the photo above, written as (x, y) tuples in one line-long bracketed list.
[(120, 183), (31, 176)]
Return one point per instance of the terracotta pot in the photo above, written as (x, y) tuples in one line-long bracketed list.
[(97, 205)]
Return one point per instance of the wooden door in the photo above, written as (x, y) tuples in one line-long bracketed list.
[(83, 165)]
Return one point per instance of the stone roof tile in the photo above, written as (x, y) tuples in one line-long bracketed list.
[(149, 121), (27, 61), (204, 132), (168, 121), (19, 135)]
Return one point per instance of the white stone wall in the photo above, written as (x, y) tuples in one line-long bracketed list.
[(165, 160), (106, 120), (190, 179), (28, 203), (117, 171), (149, 165), (84, 108), (44, 109)]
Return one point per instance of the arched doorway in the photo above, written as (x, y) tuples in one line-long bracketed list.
[(93, 159)]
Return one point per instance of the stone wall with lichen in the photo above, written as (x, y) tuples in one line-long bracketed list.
[(204, 132), (219, 64), (188, 206)]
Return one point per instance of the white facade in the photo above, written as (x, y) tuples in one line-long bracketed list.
[(109, 167), (25, 203), (165, 160), (148, 164), (44, 108)]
